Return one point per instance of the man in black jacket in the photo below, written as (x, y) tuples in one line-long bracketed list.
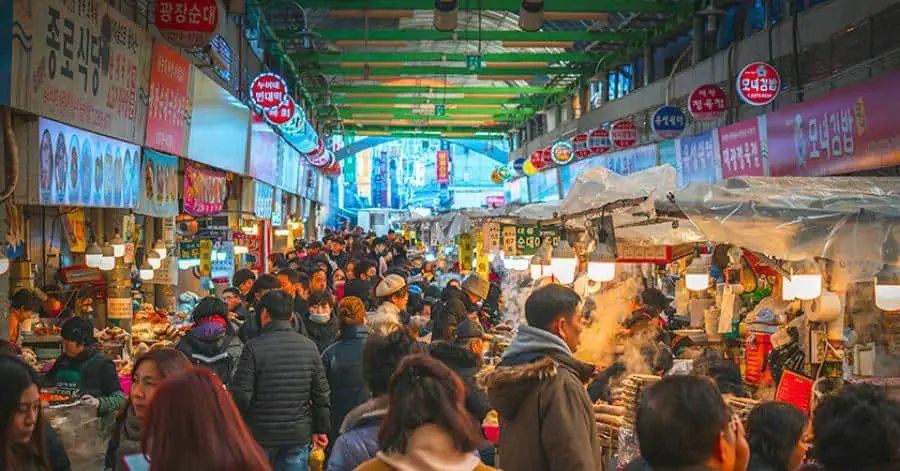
[(281, 389), (361, 286), (458, 305)]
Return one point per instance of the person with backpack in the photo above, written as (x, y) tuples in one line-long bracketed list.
[(212, 343)]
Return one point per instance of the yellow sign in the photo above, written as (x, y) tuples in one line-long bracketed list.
[(205, 257), (466, 253), (482, 266), (73, 224)]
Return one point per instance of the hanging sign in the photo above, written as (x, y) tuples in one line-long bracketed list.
[(562, 152), (537, 159), (707, 102), (205, 191), (283, 113), (74, 227), (159, 185), (319, 157), (222, 262), (170, 101), (529, 169), (758, 84), (698, 159), (623, 134), (79, 168), (495, 177), (265, 195), (119, 308), (503, 173), (518, 165), (528, 239), (547, 155), (668, 122), (490, 237), (443, 167), (795, 389), (206, 254), (508, 239), (268, 91), (495, 201), (466, 253), (189, 250), (580, 143), (598, 141), (742, 148), (190, 24)]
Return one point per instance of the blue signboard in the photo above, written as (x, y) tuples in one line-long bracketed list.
[(668, 122), (698, 159)]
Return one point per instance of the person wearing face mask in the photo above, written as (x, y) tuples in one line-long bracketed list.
[(393, 295), (320, 325), (538, 389), (149, 371), (343, 361)]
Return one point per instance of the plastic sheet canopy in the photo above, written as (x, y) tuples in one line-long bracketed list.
[(854, 221), (597, 187)]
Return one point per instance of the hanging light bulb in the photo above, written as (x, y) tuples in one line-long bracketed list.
[(537, 267), (445, 15), (4, 261), (154, 260), (241, 249), (805, 281), (160, 248), (146, 271), (282, 232), (563, 262), (697, 276), (93, 256), (601, 264), (118, 245), (250, 228), (887, 288), (109, 258)]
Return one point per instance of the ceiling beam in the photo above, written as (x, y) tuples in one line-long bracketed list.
[(372, 57), (606, 6), (494, 112), (417, 100), (414, 116), (472, 35), (450, 89), (439, 71), (414, 128)]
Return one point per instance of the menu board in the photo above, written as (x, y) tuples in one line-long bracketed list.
[(159, 185), (80, 168)]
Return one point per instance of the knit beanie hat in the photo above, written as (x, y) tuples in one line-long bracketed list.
[(389, 285), (78, 330), (352, 311)]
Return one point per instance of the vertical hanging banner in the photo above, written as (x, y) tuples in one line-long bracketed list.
[(74, 226), (380, 193), (170, 101), (528, 239), (205, 191), (741, 148), (81, 63), (491, 237), (206, 254), (698, 159), (508, 239), (190, 24), (159, 185), (263, 200), (466, 253), (443, 166)]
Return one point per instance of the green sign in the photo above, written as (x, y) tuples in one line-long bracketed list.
[(189, 250), (528, 239), (474, 62), (440, 110), (552, 232)]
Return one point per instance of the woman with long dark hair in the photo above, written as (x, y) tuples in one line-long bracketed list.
[(149, 371), (427, 426), (775, 432), (22, 424), (194, 426)]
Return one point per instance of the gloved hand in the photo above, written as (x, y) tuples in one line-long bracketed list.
[(90, 401), (599, 387)]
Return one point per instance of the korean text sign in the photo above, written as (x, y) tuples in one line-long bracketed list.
[(698, 159), (187, 23), (170, 101), (742, 148), (205, 191), (443, 166), (80, 168), (81, 63), (849, 130), (528, 239), (159, 185)]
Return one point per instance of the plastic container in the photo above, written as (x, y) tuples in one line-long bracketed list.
[(491, 433)]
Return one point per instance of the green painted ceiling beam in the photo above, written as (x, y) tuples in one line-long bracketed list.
[(496, 112), (625, 6), (465, 90), (414, 100), (471, 129), (450, 57), (437, 70), (424, 136), (416, 117), (434, 35)]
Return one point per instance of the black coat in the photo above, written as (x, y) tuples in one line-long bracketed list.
[(343, 362), (466, 364), (362, 290), (322, 334), (454, 308), (281, 389), (218, 353)]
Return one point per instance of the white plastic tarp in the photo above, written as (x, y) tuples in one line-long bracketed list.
[(597, 187)]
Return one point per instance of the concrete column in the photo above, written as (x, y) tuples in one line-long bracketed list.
[(699, 40), (648, 65)]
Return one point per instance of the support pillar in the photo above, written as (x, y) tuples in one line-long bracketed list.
[(648, 65), (699, 40)]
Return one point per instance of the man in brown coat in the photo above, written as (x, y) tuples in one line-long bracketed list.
[(546, 416)]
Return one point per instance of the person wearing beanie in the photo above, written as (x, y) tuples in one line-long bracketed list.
[(343, 361), (392, 293), (212, 343), (458, 306), (83, 371)]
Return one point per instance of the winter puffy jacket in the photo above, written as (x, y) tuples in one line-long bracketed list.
[(362, 290), (358, 441), (454, 308), (322, 334), (281, 389), (466, 364), (218, 353), (343, 362)]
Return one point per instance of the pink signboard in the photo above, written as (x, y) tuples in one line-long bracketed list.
[(205, 191), (742, 148), (849, 130)]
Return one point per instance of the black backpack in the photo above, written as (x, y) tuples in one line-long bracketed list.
[(221, 365), (441, 329)]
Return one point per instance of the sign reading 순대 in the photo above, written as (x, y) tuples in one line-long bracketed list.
[(189, 24)]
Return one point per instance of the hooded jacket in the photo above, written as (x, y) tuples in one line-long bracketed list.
[(343, 362), (358, 440), (386, 314), (455, 308), (466, 364), (218, 352), (546, 416), (429, 448)]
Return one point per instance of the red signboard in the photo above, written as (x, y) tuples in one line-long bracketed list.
[(495, 201), (443, 166), (319, 157), (795, 389), (562, 152), (741, 149), (537, 159), (189, 24), (707, 102), (598, 141), (581, 146), (758, 84), (623, 134), (849, 130), (547, 155), (283, 113), (170, 98), (268, 91)]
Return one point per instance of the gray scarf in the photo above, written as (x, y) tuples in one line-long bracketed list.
[(533, 340), (129, 439)]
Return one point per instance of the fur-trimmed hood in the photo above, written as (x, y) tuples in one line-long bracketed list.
[(509, 386)]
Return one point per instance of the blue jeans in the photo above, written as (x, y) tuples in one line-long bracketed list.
[(290, 458)]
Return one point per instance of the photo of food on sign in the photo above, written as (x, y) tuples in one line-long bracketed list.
[(46, 161), (59, 168), (86, 165)]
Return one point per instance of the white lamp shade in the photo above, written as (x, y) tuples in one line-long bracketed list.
[(160, 249), (787, 291), (536, 271), (601, 271), (887, 297), (107, 263), (563, 269), (146, 273), (696, 281), (241, 249), (155, 262), (93, 260), (516, 263), (118, 250), (4, 263), (806, 287)]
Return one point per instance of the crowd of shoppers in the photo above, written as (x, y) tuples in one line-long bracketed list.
[(351, 356)]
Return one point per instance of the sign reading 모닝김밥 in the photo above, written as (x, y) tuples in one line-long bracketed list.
[(170, 101), (159, 185), (698, 159), (849, 130), (80, 168), (742, 148), (205, 191), (82, 63)]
